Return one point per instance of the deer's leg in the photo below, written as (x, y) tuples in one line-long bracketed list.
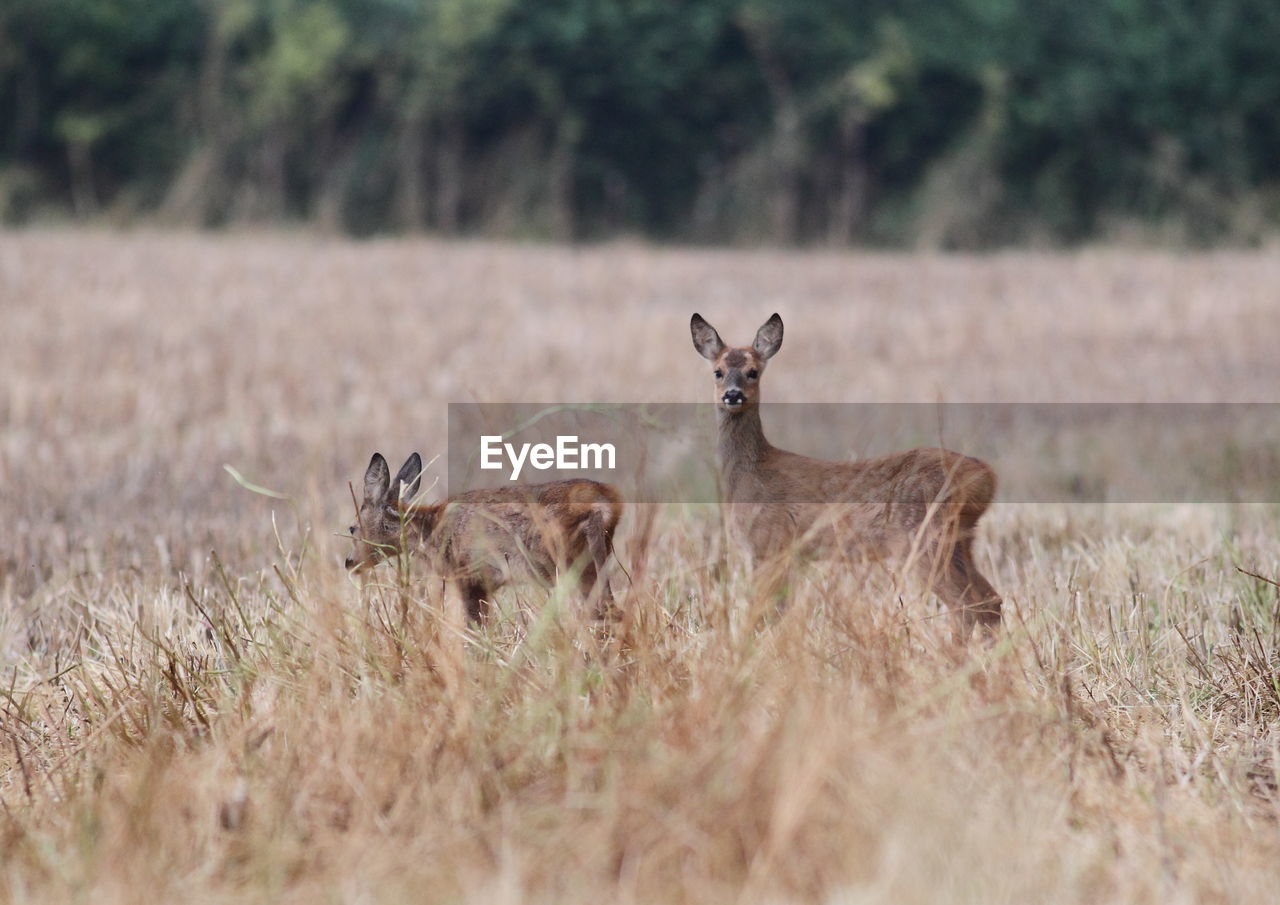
[(956, 579), (473, 598), (771, 577), (771, 547), (592, 585), (592, 580)]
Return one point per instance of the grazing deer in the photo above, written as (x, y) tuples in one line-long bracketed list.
[(922, 505), (479, 540)]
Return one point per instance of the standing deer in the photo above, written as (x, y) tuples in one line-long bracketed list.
[(479, 540), (922, 505)]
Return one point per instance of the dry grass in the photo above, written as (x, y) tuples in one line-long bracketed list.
[(251, 726)]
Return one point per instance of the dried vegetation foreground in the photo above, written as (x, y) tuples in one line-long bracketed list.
[(198, 706)]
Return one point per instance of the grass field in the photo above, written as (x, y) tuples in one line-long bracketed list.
[(197, 705)]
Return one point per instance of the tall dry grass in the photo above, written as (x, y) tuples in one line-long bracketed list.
[(197, 705)]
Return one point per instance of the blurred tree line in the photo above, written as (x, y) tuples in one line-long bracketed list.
[(950, 123)]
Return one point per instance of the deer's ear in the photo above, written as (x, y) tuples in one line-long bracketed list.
[(769, 338), (409, 478), (377, 479), (705, 338)]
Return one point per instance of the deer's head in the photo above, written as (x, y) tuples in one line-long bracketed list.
[(737, 369), (380, 522)]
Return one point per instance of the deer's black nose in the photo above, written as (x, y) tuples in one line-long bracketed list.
[(733, 397), (350, 563)]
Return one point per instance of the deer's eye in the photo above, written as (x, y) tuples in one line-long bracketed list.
[(719, 373), (753, 374)]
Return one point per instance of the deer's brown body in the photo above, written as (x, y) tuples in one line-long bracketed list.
[(479, 540), (921, 506)]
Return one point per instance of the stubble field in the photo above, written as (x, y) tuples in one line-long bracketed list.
[(197, 704)]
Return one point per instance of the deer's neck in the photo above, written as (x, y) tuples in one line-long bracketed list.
[(421, 521), (741, 445)]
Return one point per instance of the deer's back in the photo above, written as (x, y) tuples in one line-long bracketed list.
[(538, 527), (875, 504)]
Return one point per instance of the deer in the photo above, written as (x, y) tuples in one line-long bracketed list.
[(480, 540), (921, 506)]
